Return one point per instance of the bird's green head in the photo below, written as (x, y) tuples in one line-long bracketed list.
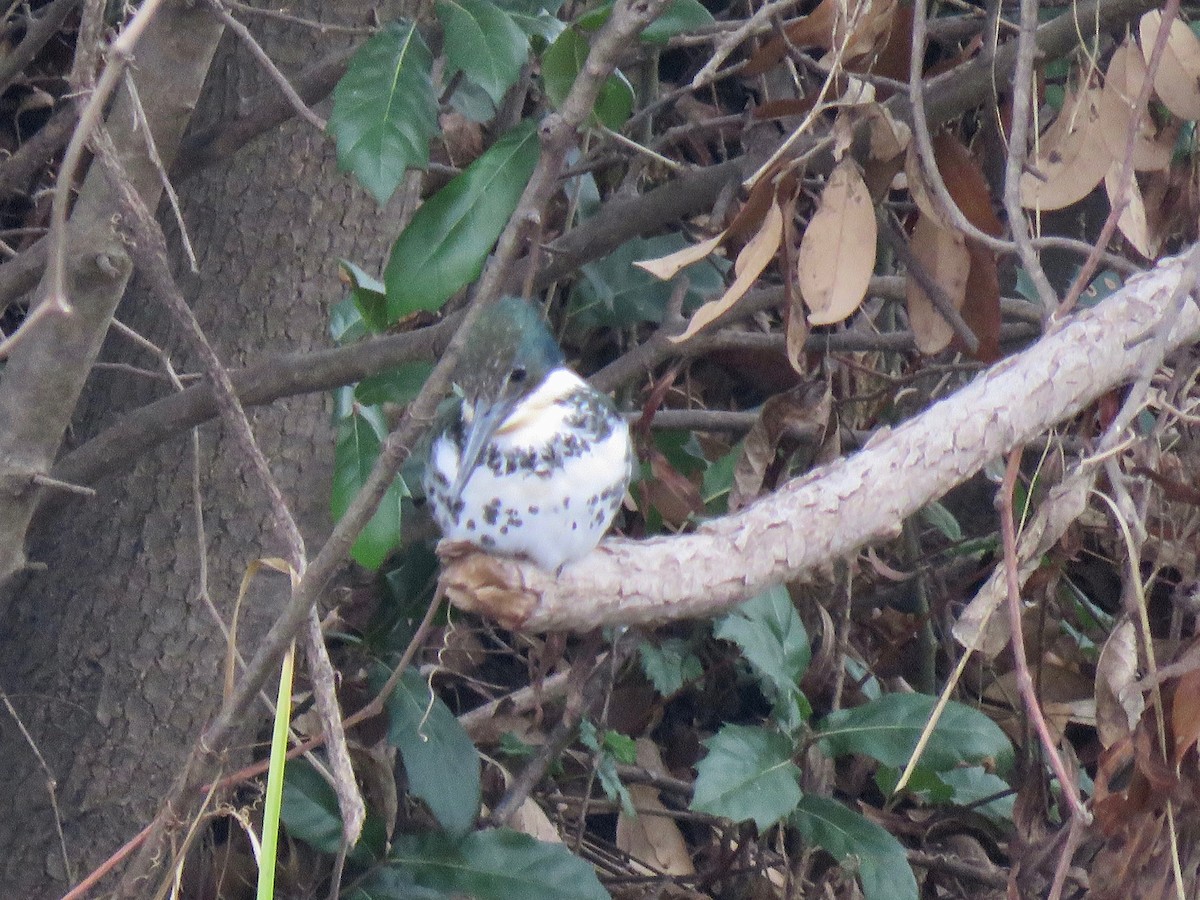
[(509, 352)]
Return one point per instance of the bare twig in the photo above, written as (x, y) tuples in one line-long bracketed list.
[(1070, 790), (256, 50), (1018, 142)]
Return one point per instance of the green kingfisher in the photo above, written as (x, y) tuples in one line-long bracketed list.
[(533, 462)]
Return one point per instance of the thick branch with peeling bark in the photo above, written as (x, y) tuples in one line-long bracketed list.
[(833, 511)]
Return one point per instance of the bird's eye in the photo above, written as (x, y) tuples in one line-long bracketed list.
[(517, 375)]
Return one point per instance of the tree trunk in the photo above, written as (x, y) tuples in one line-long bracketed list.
[(110, 656)]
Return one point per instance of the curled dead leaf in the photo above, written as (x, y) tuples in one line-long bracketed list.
[(1132, 220), (755, 256), (1119, 703)]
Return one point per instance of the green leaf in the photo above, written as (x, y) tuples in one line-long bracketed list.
[(935, 514), (496, 865), (857, 844), (359, 440), (718, 480), (441, 762), (393, 883), (973, 783), (614, 293), (772, 637), (444, 246), (747, 774), (384, 109), (398, 385), (670, 665), (367, 294), (887, 729), (680, 16), (346, 323), (563, 61), (484, 41), (310, 812)]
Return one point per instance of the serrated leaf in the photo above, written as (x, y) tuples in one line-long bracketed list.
[(359, 440), (484, 42), (858, 845), (887, 729), (445, 245), (384, 109), (496, 865), (771, 636), (748, 774), (441, 762), (669, 665), (562, 63)]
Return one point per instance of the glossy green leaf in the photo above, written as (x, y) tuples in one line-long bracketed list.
[(393, 883), (859, 845), (441, 762), (498, 864), (359, 440), (310, 812), (887, 729), (614, 293), (773, 640), (669, 665), (368, 295), (562, 62), (747, 774), (445, 245), (385, 110), (680, 16), (399, 385), (346, 323), (483, 41), (936, 515)]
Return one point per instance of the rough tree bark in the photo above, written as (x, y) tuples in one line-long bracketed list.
[(110, 655)]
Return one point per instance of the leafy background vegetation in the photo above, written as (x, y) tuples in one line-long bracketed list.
[(832, 736)]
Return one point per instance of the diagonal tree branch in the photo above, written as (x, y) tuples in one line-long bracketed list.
[(834, 511)]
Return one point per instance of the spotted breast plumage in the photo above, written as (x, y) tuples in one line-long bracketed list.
[(534, 462)]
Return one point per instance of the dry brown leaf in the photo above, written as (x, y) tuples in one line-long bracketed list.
[(668, 490), (1177, 81), (650, 837), (1185, 714), (889, 137), (1132, 220), (965, 183), (1119, 703), (532, 820), (808, 404), (837, 253), (1122, 86), (943, 254), (981, 308), (754, 257), (814, 30), (1072, 156), (664, 268)]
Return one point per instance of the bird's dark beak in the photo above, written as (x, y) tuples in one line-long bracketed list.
[(488, 417)]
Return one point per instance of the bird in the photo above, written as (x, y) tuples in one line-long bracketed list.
[(532, 462)]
